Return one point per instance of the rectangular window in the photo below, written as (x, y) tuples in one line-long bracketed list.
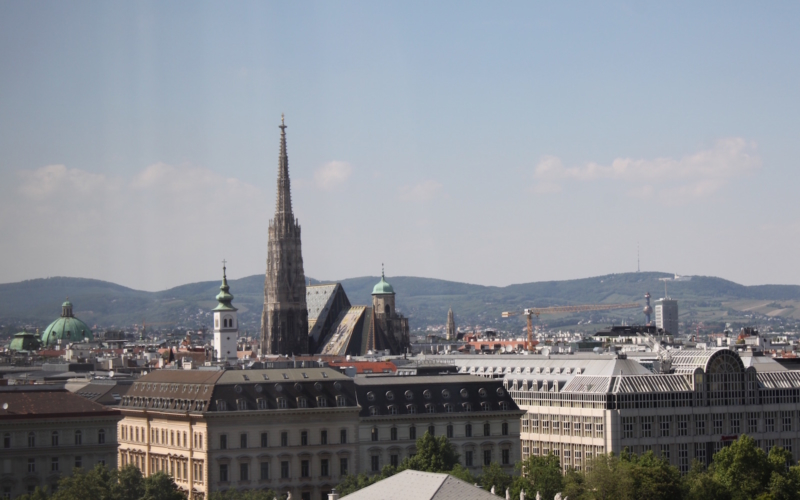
[(223, 442), (393, 434), (284, 439), (304, 438), (627, 427), (487, 430), (341, 401), (54, 439), (647, 427), (264, 471), (323, 468), (683, 426), (432, 430), (244, 472), (343, 436), (769, 421), (506, 454), (487, 457), (665, 421), (717, 420), (468, 458), (450, 431), (665, 452), (786, 421), (394, 460), (375, 463), (342, 466), (223, 473), (504, 429), (31, 440), (700, 425), (683, 457), (735, 421), (468, 430), (243, 441), (412, 432), (598, 427), (31, 465), (78, 462), (305, 468), (374, 434), (323, 437), (54, 464), (264, 439), (285, 469)]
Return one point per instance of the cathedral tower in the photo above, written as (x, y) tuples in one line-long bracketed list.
[(284, 322)]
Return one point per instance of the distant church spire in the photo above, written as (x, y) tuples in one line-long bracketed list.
[(283, 200), (284, 322)]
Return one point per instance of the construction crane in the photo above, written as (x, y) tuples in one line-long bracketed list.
[(529, 313)]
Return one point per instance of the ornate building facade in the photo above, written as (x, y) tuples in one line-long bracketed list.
[(284, 322)]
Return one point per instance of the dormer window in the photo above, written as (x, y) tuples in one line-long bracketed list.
[(322, 402), (373, 411), (262, 404), (448, 408), (222, 405), (412, 409), (241, 404), (302, 402), (430, 408), (341, 401), (467, 406), (485, 406), (282, 403), (392, 409), (504, 405)]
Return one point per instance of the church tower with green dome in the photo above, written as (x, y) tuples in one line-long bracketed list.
[(66, 329), (226, 322), (284, 322), (392, 327)]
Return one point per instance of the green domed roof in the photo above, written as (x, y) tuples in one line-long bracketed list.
[(383, 287), (224, 297), (68, 329)]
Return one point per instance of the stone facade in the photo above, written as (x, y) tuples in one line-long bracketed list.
[(284, 322), (477, 415), (451, 325), (290, 430), (48, 433)]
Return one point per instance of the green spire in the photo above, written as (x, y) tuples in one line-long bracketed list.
[(224, 297)]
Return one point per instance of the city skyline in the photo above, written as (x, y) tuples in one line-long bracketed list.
[(526, 143)]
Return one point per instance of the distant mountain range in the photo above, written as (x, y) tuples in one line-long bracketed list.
[(713, 301)]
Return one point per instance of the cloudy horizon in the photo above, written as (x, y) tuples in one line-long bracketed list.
[(139, 142)]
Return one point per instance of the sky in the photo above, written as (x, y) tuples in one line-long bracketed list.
[(481, 142)]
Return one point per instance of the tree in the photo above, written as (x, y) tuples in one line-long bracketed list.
[(742, 468), (245, 495), (494, 475), (353, 482), (102, 483), (542, 474), (700, 484), (461, 472), (160, 486), (433, 455)]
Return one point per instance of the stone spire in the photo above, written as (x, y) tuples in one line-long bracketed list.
[(283, 198), (284, 322), (451, 325)]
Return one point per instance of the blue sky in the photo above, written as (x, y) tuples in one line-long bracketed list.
[(491, 143)]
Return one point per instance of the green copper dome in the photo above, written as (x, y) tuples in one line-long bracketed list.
[(67, 328), (224, 297), (383, 287)]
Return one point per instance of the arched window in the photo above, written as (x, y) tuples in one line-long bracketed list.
[(387, 309)]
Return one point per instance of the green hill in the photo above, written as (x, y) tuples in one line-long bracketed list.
[(713, 301)]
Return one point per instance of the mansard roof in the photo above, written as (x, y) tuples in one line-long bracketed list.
[(201, 391), (465, 393)]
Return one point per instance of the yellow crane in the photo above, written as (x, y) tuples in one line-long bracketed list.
[(529, 313)]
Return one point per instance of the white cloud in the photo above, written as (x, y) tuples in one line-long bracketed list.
[(172, 222), (332, 175), (693, 176), (423, 191)]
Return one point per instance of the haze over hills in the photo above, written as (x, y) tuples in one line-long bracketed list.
[(713, 301)]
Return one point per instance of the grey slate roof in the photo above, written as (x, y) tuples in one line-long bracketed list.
[(416, 485)]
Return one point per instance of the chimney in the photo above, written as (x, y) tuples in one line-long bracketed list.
[(333, 495)]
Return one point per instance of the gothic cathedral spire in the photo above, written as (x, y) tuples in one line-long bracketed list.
[(284, 322)]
